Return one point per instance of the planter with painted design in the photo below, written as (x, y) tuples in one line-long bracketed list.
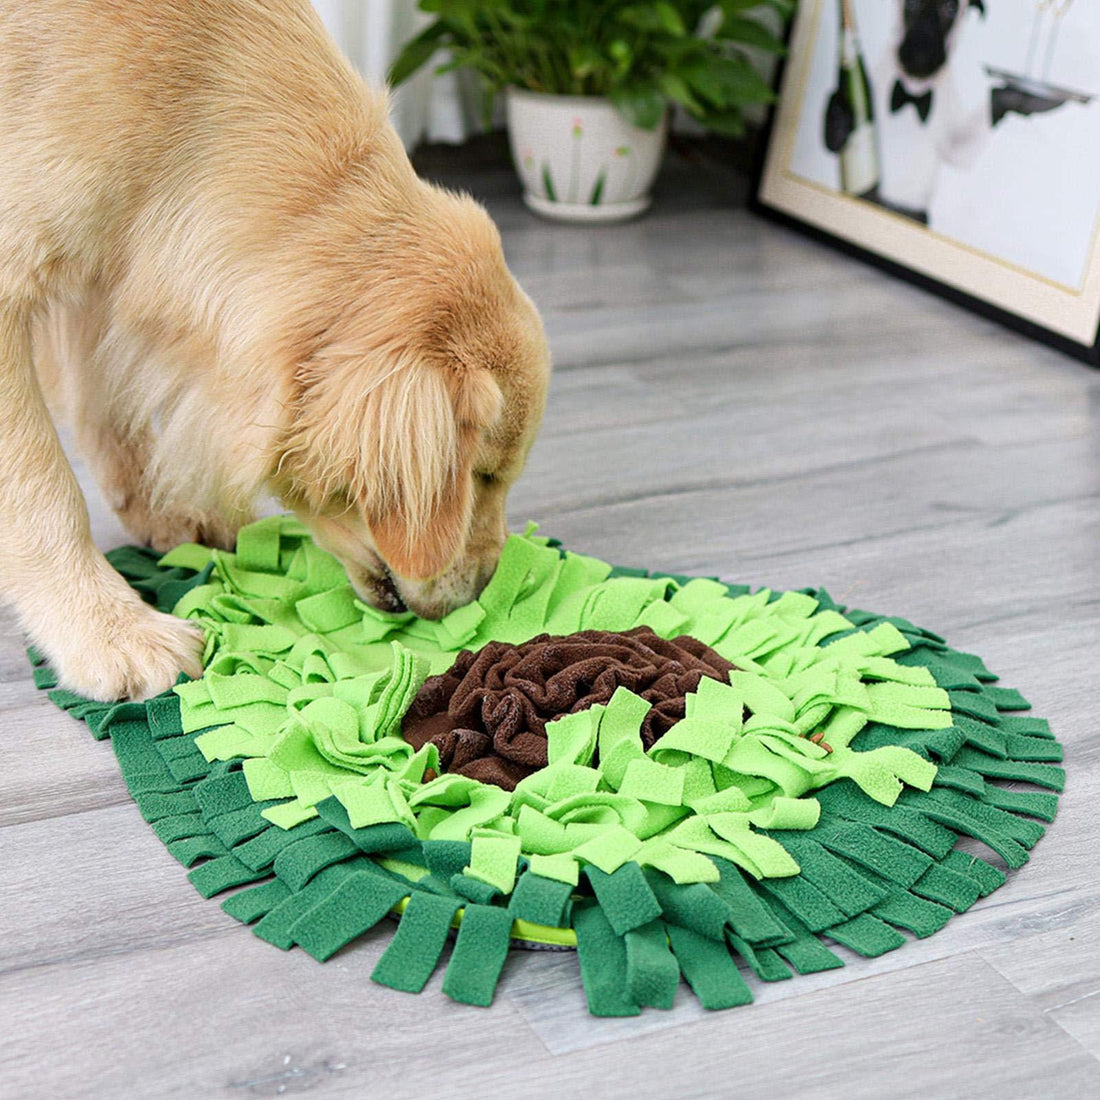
[(579, 159)]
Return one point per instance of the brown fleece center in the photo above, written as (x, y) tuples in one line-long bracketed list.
[(488, 714)]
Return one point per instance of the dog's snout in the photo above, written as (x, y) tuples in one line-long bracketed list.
[(439, 597), (922, 51), (923, 48)]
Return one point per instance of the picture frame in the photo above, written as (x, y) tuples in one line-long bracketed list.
[(952, 152)]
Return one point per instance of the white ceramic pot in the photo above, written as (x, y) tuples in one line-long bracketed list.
[(579, 159)]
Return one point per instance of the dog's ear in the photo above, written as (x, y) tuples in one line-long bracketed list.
[(413, 480)]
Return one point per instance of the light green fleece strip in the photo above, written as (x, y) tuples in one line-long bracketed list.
[(309, 686)]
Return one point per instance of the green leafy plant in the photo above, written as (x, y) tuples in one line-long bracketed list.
[(643, 56)]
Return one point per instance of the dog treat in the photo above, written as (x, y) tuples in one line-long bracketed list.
[(488, 714)]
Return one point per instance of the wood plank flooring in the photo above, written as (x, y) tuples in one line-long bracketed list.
[(729, 399)]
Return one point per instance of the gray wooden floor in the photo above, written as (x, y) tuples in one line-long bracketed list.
[(729, 399)]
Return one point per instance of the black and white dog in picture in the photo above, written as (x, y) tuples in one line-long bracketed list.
[(922, 118)]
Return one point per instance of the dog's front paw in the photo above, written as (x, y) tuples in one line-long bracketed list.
[(129, 651)]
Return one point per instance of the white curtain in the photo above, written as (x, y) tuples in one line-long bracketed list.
[(371, 33)]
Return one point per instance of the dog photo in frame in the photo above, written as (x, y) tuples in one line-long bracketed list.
[(955, 142)]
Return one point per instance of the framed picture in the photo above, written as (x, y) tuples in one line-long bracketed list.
[(955, 142)]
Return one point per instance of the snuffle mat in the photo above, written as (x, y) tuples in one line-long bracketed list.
[(808, 791)]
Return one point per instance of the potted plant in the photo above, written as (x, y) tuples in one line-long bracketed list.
[(589, 85)]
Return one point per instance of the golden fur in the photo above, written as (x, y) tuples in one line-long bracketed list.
[(217, 262)]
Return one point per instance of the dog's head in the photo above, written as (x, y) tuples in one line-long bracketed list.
[(414, 414), (927, 32)]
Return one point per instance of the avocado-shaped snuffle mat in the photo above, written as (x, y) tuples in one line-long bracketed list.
[(678, 778)]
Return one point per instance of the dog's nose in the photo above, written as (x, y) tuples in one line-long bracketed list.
[(922, 52), (378, 591)]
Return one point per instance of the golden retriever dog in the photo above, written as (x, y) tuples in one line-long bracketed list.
[(217, 262)]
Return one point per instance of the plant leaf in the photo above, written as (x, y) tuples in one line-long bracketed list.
[(670, 18), (675, 88), (726, 81), (641, 105), (750, 33), (417, 52), (619, 51), (784, 7), (449, 66), (729, 123), (660, 18), (584, 60), (735, 7), (457, 14)]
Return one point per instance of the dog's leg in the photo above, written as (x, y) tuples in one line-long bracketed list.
[(84, 374), (120, 462), (169, 528), (101, 639)]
